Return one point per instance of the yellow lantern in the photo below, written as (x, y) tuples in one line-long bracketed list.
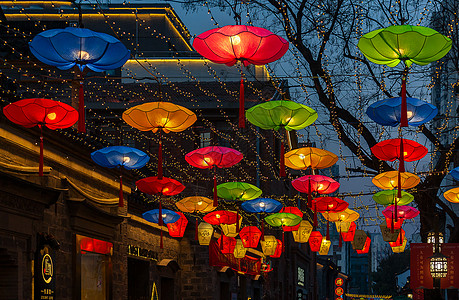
[(324, 246), (401, 248), (304, 231), (342, 226), (389, 180), (239, 250), (360, 238), (268, 245), (303, 158), (452, 195), (205, 233)]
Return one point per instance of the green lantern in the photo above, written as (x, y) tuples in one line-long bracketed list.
[(238, 191), (407, 43), (389, 198)]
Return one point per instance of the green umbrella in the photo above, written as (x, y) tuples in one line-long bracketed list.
[(283, 219), (238, 191), (407, 43), (389, 197)]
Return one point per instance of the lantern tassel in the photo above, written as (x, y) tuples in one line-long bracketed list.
[(215, 189), (282, 160), (40, 165), (403, 116), (81, 112), (160, 160), (196, 230), (121, 198), (315, 217), (241, 104), (401, 166), (328, 231)]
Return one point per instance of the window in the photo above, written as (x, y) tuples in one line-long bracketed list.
[(300, 275), (205, 139)]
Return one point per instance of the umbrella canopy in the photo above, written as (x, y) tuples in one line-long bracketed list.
[(455, 173), (293, 210), (195, 204), (168, 216), (403, 212), (309, 157), (347, 215), (238, 191), (390, 197), (281, 114), (213, 156), (282, 219), (389, 180), (390, 150), (261, 205), (452, 195), (315, 183), (409, 44), (221, 217), (41, 112), (388, 112), (329, 204), (154, 186)]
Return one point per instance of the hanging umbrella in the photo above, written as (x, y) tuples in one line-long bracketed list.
[(387, 112), (238, 191), (388, 234), (343, 217), (212, 157), (455, 173), (282, 219), (396, 217), (327, 205), (390, 197), (309, 157), (177, 229), (120, 156), (160, 217), (247, 44), (195, 204), (281, 114), (41, 112), (452, 195), (261, 205), (315, 183), (80, 48), (164, 186), (399, 240), (221, 217), (293, 210), (157, 117), (389, 180), (392, 149)]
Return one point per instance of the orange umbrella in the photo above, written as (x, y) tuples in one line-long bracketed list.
[(309, 157), (389, 180), (195, 204)]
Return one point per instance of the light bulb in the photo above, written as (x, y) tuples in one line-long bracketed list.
[(164, 216), (235, 39), (199, 203), (217, 216), (126, 159), (301, 156), (262, 204), (52, 116), (409, 114), (83, 55)]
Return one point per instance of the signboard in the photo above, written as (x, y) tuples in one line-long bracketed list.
[(339, 291), (420, 277), (339, 281), (44, 279)]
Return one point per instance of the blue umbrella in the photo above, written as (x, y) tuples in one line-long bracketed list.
[(260, 205), (81, 48), (387, 112), (120, 156), (455, 173), (167, 216)]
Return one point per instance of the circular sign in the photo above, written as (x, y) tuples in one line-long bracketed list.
[(339, 281), (339, 291), (47, 268)]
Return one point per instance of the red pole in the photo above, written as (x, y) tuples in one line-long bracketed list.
[(241, 104), (40, 165), (196, 230), (403, 116)]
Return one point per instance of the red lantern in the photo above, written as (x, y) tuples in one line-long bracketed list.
[(315, 240), (399, 241), (221, 217), (391, 224), (401, 149), (41, 112), (229, 243), (177, 229), (250, 236), (247, 44), (349, 235), (279, 248), (293, 210), (366, 247)]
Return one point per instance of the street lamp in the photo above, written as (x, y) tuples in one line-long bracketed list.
[(438, 268)]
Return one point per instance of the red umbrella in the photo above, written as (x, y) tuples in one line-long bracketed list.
[(293, 210), (211, 157), (315, 183), (41, 112), (221, 217), (247, 44), (328, 204), (402, 149)]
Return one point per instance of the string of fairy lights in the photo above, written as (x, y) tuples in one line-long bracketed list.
[(111, 118)]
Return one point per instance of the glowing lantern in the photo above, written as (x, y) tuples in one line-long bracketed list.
[(389, 180), (195, 204), (324, 247), (365, 248), (293, 210), (281, 114), (160, 217), (238, 191), (205, 233), (177, 229), (315, 240), (401, 248), (326, 205), (399, 240), (309, 157), (452, 195), (390, 197), (157, 117), (41, 112), (221, 217), (315, 183), (278, 251), (81, 49), (268, 245), (282, 219), (360, 239), (388, 234), (304, 231), (342, 220), (231, 229), (239, 249), (387, 112), (247, 44), (226, 244), (120, 156), (213, 157), (250, 236), (403, 212), (349, 235)]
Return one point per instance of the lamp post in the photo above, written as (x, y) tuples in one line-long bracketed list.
[(438, 261)]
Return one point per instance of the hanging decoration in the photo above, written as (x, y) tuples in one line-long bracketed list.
[(213, 157), (309, 157), (41, 112), (401, 248), (399, 240), (348, 236), (301, 235), (238, 191), (177, 229), (315, 183), (389, 180), (261, 205), (239, 249), (231, 230), (205, 233), (404, 212), (161, 217), (390, 198), (81, 49), (293, 210), (324, 247), (452, 195), (226, 244), (279, 249), (159, 117), (281, 114), (389, 150), (342, 220), (388, 234), (250, 236), (366, 246), (281, 220), (246, 44), (328, 205), (195, 204), (120, 156), (221, 217), (268, 245), (360, 239), (315, 240)]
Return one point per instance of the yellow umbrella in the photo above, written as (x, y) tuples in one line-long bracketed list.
[(195, 204), (309, 157), (389, 180)]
